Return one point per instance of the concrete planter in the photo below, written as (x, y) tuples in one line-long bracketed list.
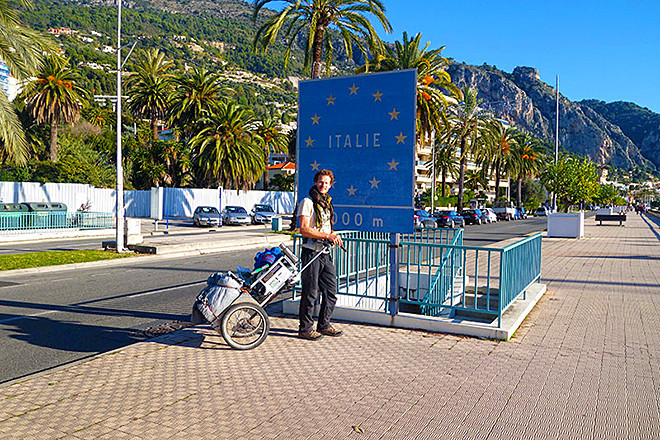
[(569, 225)]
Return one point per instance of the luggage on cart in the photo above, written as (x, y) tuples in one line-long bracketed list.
[(223, 288), (234, 304)]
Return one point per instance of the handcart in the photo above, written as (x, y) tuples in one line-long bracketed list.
[(243, 322)]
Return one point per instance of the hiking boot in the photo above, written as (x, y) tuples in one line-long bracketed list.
[(310, 335), (330, 331)]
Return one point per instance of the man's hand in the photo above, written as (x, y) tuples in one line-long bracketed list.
[(335, 239)]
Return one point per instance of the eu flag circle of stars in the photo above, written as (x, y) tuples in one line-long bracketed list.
[(362, 128)]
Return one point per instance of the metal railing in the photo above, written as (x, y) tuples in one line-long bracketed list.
[(437, 275), (24, 222)]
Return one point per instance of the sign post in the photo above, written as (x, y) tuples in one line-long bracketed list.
[(362, 128)]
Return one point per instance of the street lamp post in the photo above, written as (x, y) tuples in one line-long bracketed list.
[(120, 171), (119, 216), (554, 196)]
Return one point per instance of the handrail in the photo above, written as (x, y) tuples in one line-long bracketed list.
[(437, 273)]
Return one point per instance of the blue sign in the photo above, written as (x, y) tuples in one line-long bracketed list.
[(362, 128)]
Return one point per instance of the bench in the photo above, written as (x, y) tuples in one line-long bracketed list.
[(610, 218)]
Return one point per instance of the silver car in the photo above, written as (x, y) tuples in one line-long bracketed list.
[(262, 214), (235, 215), (206, 216)]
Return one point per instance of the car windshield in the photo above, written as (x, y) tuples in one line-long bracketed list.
[(208, 210), (236, 210), (262, 208), (469, 212), (422, 213)]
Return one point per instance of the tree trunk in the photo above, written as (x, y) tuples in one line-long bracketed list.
[(444, 182), (461, 184), (497, 182), (317, 52), (519, 192), (154, 128), (53, 140)]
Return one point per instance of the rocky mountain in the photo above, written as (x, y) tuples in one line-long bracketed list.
[(526, 101), (640, 124)]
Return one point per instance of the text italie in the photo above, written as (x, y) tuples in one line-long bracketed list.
[(366, 140)]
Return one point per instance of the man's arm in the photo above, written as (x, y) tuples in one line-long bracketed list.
[(308, 231)]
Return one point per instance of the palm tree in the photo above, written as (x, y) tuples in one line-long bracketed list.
[(314, 19), (54, 97), (21, 51), (432, 79), (149, 88), (432, 83), (446, 161), (195, 95), (527, 159), (475, 179), (274, 140), (227, 150), (467, 123), (496, 154)]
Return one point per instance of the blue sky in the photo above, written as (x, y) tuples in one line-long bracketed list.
[(607, 50)]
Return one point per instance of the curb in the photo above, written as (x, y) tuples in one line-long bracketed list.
[(189, 250)]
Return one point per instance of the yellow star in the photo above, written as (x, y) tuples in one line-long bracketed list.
[(315, 165), (394, 114), (315, 119), (353, 89), (331, 100), (374, 182), (351, 190), (400, 138), (310, 142), (393, 165), (377, 96)]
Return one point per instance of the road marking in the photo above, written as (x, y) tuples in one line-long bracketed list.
[(135, 295)]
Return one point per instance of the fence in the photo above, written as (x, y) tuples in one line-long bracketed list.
[(154, 203), (437, 275), (19, 222)]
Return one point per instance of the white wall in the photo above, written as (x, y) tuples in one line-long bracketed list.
[(282, 202), (175, 202)]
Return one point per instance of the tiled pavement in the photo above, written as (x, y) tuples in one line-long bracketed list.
[(584, 364)]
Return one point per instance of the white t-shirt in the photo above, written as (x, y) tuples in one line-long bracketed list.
[(306, 208)]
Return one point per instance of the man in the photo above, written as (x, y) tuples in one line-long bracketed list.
[(315, 213)]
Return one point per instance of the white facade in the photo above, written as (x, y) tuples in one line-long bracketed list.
[(8, 82)]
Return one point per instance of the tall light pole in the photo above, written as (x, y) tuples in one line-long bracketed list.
[(120, 170), (554, 196), (119, 216)]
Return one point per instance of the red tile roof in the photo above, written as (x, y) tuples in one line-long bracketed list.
[(283, 166)]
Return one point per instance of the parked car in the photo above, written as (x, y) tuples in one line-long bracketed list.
[(423, 219), (206, 216), (472, 216), (448, 219), (504, 210), (262, 214), (541, 211), (235, 215), (490, 214)]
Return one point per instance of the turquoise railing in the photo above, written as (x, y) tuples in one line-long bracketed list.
[(483, 280), (436, 273), (442, 286), (16, 222)]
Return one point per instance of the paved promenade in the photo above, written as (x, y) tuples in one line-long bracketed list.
[(584, 364)]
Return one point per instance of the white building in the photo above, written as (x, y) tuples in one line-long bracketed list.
[(8, 82)]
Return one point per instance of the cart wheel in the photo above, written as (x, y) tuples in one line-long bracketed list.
[(245, 326)]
